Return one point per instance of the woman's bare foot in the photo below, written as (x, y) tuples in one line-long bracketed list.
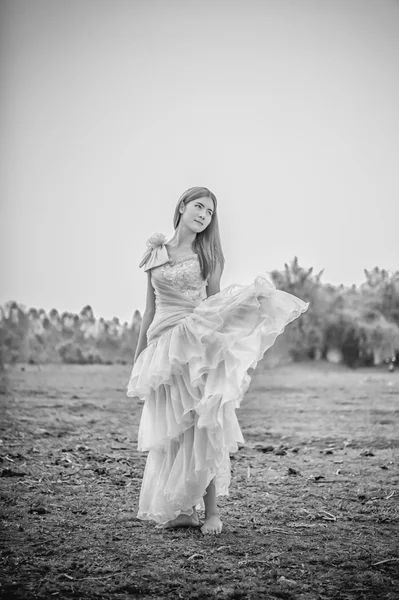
[(212, 525), (182, 521)]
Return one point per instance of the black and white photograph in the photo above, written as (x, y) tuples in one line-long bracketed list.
[(199, 299)]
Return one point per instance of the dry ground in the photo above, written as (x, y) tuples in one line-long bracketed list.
[(313, 511)]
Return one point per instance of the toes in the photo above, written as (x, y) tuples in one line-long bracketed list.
[(210, 531)]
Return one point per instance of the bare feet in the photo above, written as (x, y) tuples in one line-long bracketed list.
[(212, 525), (182, 521)]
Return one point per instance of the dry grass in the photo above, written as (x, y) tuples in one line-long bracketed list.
[(313, 511)]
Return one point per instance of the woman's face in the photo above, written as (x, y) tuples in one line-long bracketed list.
[(197, 214)]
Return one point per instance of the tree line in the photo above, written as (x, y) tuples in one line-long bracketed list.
[(355, 325)]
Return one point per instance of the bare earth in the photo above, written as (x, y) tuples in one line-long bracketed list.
[(313, 512)]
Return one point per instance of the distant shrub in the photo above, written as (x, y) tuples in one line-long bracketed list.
[(71, 354), (93, 359)]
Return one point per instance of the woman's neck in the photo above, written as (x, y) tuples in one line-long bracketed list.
[(182, 238)]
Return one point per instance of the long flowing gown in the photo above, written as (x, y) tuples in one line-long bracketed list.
[(193, 375)]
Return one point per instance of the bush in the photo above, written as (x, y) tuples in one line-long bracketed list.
[(71, 354)]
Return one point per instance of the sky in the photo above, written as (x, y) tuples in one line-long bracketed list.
[(109, 109)]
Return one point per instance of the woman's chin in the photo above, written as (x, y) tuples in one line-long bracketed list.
[(200, 226), (196, 228)]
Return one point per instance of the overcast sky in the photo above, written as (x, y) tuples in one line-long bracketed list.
[(286, 109)]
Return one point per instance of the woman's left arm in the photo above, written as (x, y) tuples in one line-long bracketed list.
[(214, 281)]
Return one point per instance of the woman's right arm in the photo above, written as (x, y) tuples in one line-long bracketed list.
[(148, 317), (213, 286)]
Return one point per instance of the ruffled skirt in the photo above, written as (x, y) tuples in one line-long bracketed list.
[(192, 377)]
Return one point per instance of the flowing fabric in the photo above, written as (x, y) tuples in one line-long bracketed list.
[(193, 375)]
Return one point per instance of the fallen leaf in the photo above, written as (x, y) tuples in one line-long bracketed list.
[(289, 582), (367, 453), (265, 449), (280, 452), (10, 473), (292, 471), (40, 510)]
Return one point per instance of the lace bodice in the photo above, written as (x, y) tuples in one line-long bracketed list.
[(184, 275)]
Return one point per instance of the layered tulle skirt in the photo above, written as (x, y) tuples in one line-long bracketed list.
[(192, 376)]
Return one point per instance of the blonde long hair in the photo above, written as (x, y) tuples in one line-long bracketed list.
[(207, 243)]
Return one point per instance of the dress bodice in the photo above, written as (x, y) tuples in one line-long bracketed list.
[(184, 275), (181, 277)]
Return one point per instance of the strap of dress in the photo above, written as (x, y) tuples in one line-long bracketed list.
[(156, 253)]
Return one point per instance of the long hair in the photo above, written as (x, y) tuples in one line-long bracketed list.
[(207, 243)]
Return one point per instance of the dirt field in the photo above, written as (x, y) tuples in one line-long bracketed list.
[(313, 511)]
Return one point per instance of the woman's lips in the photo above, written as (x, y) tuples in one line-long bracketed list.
[(199, 222)]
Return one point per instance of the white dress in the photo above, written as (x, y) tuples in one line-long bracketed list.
[(193, 375)]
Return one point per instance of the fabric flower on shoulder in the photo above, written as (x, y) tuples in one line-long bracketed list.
[(156, 253), (157, 239)]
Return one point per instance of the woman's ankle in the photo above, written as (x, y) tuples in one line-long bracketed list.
[(212, 512)]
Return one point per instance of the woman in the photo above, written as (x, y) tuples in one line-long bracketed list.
[(195, 347)]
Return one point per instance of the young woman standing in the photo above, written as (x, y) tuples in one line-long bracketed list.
[(195, 348)]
